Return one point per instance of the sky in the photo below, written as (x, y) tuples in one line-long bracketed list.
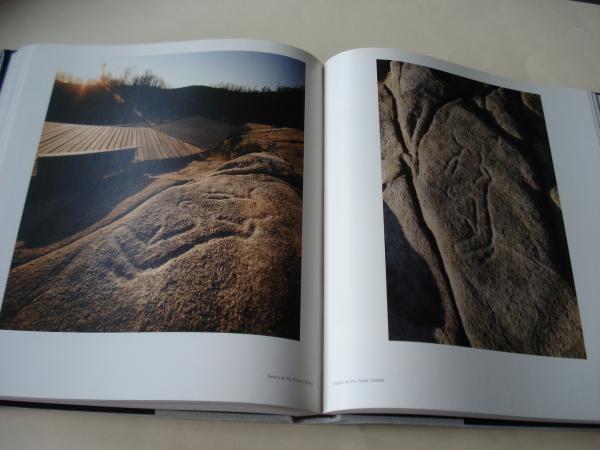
[(249, 69)]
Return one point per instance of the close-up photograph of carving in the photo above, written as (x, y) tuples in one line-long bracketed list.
[(476, 251)]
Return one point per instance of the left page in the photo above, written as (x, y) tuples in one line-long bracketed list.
[(166, 205)]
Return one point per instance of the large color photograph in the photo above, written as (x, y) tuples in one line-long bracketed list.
[(166, 196), (475, 245)]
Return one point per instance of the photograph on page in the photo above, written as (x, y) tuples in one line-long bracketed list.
[(475, 245), (166, 195)]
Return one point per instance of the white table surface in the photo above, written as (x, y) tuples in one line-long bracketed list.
[(547, 41)]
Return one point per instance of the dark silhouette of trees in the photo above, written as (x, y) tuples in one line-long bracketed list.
[(146, 98)]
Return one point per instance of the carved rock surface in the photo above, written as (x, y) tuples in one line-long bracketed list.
[(217, 252), (475, 247), (414, 269)]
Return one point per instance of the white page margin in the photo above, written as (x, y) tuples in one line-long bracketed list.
[(430, 378), (202, 367)]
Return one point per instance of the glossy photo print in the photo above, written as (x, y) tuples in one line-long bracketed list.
[(475, 245), (166, 196)]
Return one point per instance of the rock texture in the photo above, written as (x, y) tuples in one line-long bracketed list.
[(288, 143), (212, 250), (475, 246)]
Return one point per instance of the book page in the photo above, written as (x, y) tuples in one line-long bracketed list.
[(166, 204), (461, 242)]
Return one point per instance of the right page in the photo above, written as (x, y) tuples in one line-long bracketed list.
[(461, 242)]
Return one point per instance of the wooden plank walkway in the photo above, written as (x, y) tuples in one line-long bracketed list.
[(69, 139)]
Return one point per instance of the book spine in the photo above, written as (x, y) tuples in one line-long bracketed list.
[(5, 56), (595, 98)]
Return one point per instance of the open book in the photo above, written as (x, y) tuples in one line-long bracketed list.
[(234, 226)]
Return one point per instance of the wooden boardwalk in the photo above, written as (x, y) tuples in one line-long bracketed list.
[(62, 139)]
